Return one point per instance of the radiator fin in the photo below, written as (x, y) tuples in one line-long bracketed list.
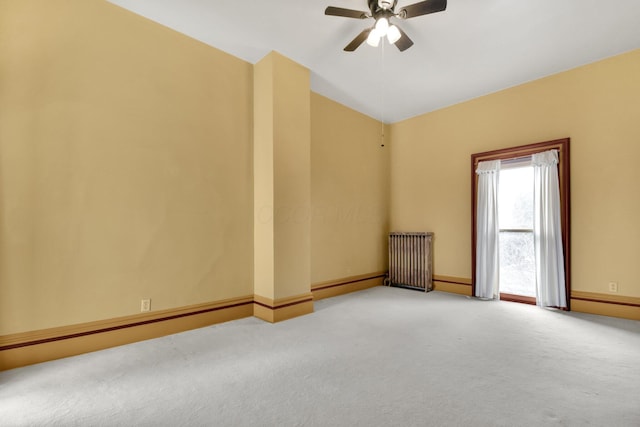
[(410, 256)]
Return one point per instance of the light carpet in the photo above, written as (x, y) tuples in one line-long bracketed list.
[(380, 357)]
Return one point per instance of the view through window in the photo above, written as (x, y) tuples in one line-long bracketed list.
[(515, 213)]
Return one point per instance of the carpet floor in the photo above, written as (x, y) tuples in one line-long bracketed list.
[(380, 357)]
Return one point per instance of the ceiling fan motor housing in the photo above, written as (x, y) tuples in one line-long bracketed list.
[(387, 4), (380, 5)]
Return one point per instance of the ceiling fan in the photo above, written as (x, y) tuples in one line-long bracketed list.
[(382, 11)]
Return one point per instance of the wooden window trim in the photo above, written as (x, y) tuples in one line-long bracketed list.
[(562, 145), (518, 298)]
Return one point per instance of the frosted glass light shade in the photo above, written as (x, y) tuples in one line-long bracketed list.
[(393, 34), (382, 25), (374, 38)]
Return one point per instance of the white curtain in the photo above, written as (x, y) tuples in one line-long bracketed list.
[(487, 230), (547, 231)]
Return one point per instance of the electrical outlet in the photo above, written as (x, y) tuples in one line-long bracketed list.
[(145, 305), (613, 286)]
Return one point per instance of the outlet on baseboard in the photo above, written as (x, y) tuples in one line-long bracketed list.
[(145, 305), (613, 286)]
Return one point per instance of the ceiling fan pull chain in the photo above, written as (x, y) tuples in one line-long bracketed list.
[(382, 95)]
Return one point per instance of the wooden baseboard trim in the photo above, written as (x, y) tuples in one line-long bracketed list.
[(9, 342), (281, 309), (346, 285), (606, 305), (40, 346), (605, 298), (451, 279), (454, 285)]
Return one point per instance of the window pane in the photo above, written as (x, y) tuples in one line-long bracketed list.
[(515, 198), (517, 264)]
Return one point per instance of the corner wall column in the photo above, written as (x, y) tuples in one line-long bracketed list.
[(282, 189)]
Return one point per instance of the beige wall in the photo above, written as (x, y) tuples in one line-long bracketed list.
[(349, 192), (126, 170), (125, 166), (595, 105)]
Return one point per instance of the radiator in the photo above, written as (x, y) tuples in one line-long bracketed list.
[(410, 259)]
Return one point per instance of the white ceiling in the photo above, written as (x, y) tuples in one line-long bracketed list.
[(471, 49)]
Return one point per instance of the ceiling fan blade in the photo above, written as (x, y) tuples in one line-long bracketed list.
[(422, 8), (347, 13), (404, 42), (360, 38)]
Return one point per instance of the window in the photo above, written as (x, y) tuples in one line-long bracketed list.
[(509, 156)]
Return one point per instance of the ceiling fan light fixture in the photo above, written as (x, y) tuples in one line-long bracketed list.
[(382, 11), (374, 38), (393, 34)]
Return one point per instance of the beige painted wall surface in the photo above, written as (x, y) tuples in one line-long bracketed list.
[(595, 105), (263, 246), (349, 192), (125, 166), (291, 174)]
